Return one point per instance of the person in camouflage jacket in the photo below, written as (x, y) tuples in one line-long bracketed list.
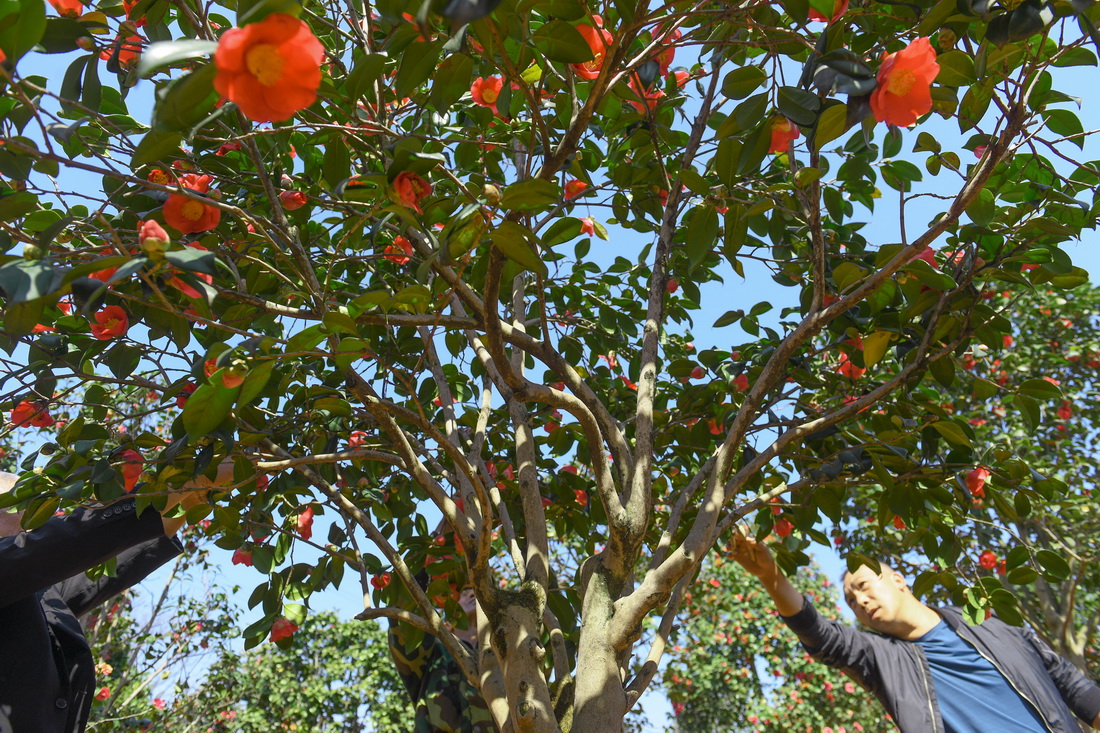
[(445, 701)]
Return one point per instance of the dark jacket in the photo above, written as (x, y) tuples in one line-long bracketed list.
[(46, 673), (897, 673)]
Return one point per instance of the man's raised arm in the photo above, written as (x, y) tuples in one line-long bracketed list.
[(757, 560)]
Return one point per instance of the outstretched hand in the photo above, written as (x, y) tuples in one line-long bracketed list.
[(752, 555)]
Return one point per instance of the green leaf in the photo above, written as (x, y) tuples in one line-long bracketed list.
[(1022, 576), (874, 347), (186, 101), (193, 260), (983, 208), (255, 382), (155, 145), (306, 339), (15, 205), (24, 33), (798, 105), (418, 61), (1053, 564), (208, 406), (561, 231), (251, 11), (1040, 389), (1029, 410), (166, 53), (702, 234), (956, 69), (514, 241), (1064, 122), (348, 351), (531, 195), (451, 80), (560, 41), (953, 432), (742, 82)]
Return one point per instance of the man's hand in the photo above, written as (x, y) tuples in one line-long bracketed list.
[(757, 560), (194, 493), (753, 556)]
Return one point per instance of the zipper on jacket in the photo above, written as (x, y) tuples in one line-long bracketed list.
[(924, 678), (1008, 680)]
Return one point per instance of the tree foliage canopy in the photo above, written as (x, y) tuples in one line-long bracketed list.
[(397, 293)]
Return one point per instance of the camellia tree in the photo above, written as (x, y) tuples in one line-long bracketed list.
[(351, 249)]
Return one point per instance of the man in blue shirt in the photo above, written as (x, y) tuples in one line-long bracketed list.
[(931, 670)]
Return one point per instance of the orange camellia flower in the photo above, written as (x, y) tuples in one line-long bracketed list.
[(645, 99), (485, 92), (904, 84), (783, 132), (598, 40), (976, 481), (103, 694), (130, 468), (68, 8), (840, 7), (110, 323), (188, 215), (292, 200), (129, 49), (410, 189), (400, 244), (282, 629), (31, 414), (574, 188), (270, 69)]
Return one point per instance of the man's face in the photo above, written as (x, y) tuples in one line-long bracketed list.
[(468, 601), (877, 600)]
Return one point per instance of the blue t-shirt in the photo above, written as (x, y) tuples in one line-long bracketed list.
[(973, 696)]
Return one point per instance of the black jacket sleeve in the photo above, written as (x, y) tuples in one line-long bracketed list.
[(82, 594), (836, 644), (1081, 694), (65, 546)]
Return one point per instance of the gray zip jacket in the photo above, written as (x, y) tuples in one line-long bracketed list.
[(897, 673)]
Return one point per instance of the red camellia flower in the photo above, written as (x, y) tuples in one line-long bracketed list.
[(31, 414), (400, 244), (111, 322), (380, 581), (672, 285), (988, 560), (899, 523), (840, 7), (187, 215), (184, 393), (129, 49), (976, 481), (598, 40), (410, 189), (68, 8), (270, 69), (242, 556), (1065, 412), (103, 694), (783, 527), (644, 99), (130, 468), (292, 200), (282, 629), (305, 523), (741, 383), (486, 91), (159, 703), (357, 438), (588, 226), (574, 188), (581, 497), (1007, 340), (848, 369), (904, 84), (783, 132)]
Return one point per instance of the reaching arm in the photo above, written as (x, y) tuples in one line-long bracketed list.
[(1080, 693), (758, 561)]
